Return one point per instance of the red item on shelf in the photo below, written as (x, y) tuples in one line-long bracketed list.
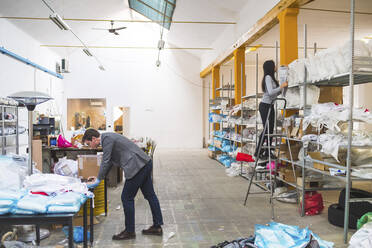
[(244, 157)]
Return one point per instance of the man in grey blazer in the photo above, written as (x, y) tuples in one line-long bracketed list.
[(121, 152)]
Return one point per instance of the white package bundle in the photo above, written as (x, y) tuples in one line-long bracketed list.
[(293, 98), (14, 195), (34, 203), (66, 199), (360, 50), (296, 72), (312, 95), (47, 180), (328, 63), (312, 69), (63, 209)]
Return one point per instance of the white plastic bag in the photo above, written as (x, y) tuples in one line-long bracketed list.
[(48, 179), (362, 238), (66, 167)]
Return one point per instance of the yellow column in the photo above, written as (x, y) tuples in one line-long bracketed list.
[(239, 73), (288, 35), (215, 81), (215, 94)]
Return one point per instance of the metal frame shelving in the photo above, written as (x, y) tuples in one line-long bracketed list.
[(4, 123), (354, 77)]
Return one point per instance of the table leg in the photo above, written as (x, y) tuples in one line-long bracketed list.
[(70, 234), (37, 228), (85, 226), (105, 189), (91, 222)]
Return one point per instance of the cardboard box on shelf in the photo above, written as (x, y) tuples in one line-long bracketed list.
[(318, 156), (289, 177), (309, 183), (295, 150), (89, 165)]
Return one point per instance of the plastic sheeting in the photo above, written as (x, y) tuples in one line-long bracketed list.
[(277, 235)]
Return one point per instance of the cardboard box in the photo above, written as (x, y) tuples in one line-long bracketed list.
[(318, 156), (37, 155), (289, 177), (89, 165), (79, 221), (295, 150), (363, 185), (308, 183)]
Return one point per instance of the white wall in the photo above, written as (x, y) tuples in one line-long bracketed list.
[(248, 16), (165, 103), (16, 76)]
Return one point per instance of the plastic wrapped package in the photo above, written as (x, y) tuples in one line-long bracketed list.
[(360, 50), (362, 238), (4, 210), (21, 211), (293, 98), (6, 203), (34, 203), (312, 69), (63, 209), (296, 72), (12, 173), (13, 195), (312, 95), (67, 199), (66, 167)]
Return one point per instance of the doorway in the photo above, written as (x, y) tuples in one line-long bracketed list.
[(121, 120)]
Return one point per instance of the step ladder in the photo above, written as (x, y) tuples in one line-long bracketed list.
[(272, 172)]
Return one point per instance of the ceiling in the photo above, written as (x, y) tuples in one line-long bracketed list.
[(326, 29), (136, 35)]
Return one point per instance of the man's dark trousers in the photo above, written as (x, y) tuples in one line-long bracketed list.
[(142, 180)]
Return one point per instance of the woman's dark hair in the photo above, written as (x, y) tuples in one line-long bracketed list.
[(89, 134), (269, 69)]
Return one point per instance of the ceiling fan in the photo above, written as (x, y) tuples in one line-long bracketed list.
[(112, 29)]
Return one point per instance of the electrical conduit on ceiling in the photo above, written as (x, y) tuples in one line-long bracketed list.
[(28, 62)]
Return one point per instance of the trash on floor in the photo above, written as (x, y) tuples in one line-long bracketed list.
[(277, 235), (78, 233), (118, 207), (169, 236), (285, 236)]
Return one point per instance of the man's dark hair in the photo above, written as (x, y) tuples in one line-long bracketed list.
[(89, 133)]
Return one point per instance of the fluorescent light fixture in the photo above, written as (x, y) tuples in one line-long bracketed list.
[(59, 21), (101, 68), (87, 52)]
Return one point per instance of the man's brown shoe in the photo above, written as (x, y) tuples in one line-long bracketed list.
[(153, 231), (124, 235)]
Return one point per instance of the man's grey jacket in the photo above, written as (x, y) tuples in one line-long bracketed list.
[(121, 152)]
